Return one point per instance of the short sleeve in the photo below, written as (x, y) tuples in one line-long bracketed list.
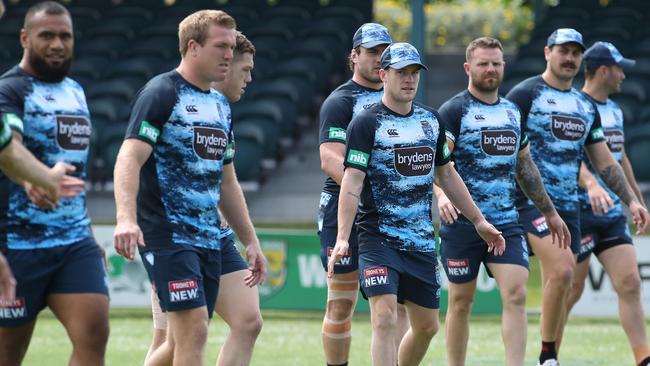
[(522, 96), (360, 141), (596, 133), (5, 135), (12, 96), (443, 154), (451, 112), (150, 110), (230, 149), (335, 115), (523, 136)]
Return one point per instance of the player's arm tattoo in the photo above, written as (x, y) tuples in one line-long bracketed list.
[(614, 177), (531, 183), (354, 195)]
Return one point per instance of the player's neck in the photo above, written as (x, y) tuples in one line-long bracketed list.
[(553, 81), (402, 108), (25, 65), (366, 83), (490, 97), (595, 92), (192, 76)]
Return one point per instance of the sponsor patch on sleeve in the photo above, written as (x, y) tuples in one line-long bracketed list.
[(336, 133), (445, 150), (5, 134), (598, 134), (357, 157), (149, 131), (14, 121), (230, 151), (450, 136)]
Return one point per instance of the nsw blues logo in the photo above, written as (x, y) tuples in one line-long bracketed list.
[(427, 129)]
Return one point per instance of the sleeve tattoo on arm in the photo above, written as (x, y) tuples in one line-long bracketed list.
[(531, 183), (615, 179)]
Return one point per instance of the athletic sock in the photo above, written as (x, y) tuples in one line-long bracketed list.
[(343, 364), (645, 362), (642, 354), (548, 352)]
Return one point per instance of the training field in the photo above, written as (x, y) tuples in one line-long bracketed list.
[(293, 338)]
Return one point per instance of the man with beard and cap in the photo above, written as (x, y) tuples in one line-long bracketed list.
[(344, 103), (50, 248), (392, 151), (489, 151), (602, 222), (561, 123)]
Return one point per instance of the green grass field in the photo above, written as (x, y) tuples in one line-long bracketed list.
[(293, 338)]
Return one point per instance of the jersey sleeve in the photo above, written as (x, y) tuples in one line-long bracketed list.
[(335, 115), (150, 110), (360, 141), (5, 135), (230, 149), (596, 133), (451, 112), (523, 138), (12, 96), (443, 154), (522, 96)]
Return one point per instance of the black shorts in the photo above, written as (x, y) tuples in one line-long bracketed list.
[(327, 231), (600, 233), (535, 223)]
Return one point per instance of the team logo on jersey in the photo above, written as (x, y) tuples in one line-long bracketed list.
[(191, 108), (375, 276), (428, 130), (587, 244), (479, 117), (15, 309), (551, 101), (210, 143), (345, 260), (615, 139), (73, 132), (276, 275), (540, 224), (392, 132), (567, 128), (414, 161), (183, 290), (357, 157), (511, 117), (458, 267), (581, 109), (336, 133), (498, 142)]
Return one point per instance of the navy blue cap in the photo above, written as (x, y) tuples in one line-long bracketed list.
[(565, 35), (605, 54), (370, 35), (400, 55)]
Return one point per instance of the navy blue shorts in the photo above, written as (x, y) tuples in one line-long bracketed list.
[(600, 233), (68, 269), (185, 277), (231, 260), (462, 250), (412, 276), (327, 229), (535, 223)]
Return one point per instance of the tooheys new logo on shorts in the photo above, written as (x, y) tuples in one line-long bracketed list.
[(567, 128), (499, 142), (73, 132), (210, 143), (374, 276), (414, 161), (615, 139), (458, 267), (183, 290), (13, 309)]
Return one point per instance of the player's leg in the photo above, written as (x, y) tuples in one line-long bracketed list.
[(159, 325), (239, 307), (342, 293), (460, 298), (189, 330), (383, 318), (578, 286), (79, 299), (512, 280), (14, 342), (424, 325), (621, 266), (402, 324)]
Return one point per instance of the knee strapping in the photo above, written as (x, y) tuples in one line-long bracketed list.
[(159, 318), (340, 290)]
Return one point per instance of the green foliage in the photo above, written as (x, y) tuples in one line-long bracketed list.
[(452, 24)]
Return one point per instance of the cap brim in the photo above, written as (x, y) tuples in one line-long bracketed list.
[(627, 63), (373, 44), (582, 46), (403, 64)]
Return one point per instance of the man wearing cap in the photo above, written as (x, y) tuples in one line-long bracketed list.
[(561, 123), (490, 151), (357, 94), (602, 222), (391, 151)]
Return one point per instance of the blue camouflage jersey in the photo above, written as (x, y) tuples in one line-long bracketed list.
[(343, 104), (487, 138), (611, 118), (398, 154), (558, 124), (54, 122), (191, 134)]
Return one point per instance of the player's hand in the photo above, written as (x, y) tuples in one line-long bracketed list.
[(495, 241), (559, 231), (256, 265), (640, 217), (340, 249), (448, 212), (126, 237), (63, 186), (600, 200), (7, 281)]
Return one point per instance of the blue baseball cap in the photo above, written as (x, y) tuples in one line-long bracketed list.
[(565, 35), (605, 54), (370, 35), (399, 55)]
